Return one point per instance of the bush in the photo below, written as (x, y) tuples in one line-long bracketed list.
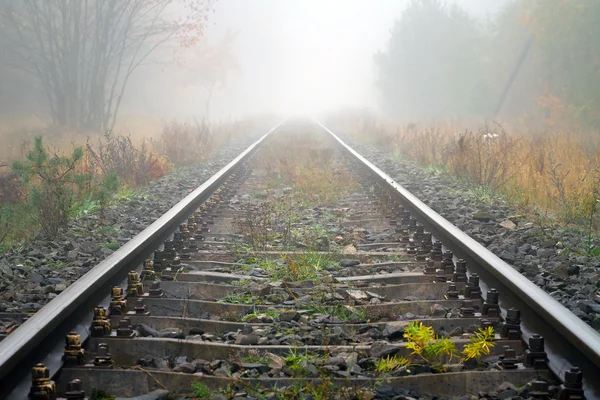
[(116, 154), (185, 143), (50, 183)]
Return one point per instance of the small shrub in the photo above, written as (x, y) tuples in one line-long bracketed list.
[(201, 391), (481, 344), (391, 363), (50, 183), (134, 166), (185, 143)]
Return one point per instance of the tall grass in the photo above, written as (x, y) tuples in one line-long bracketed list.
[(550, 172), (49, 176)]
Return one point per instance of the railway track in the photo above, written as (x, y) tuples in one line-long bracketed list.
[(342, 286)]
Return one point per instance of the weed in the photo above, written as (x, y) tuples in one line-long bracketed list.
[(437, 351), (101, 395), (297, 362), (345, 313), (436, 169), (483, 194), (111, 245), (201, 391), (269, 313), (57, 264), (480, 345), (426, 346), (254, 357), (239, 298), (391, 363), (51, 183)]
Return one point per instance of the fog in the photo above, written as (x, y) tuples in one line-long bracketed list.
[(406, 59), (293, 56)]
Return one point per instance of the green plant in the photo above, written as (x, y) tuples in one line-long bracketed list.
[(426, 346), (200, 390), (391, 363), (257, 314), (297, 362), (51, 183), (436, 351), (101, 395), (111, 245), (345, 313), (239, 298), (480, 345)]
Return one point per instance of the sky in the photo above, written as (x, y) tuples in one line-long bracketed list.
[(294, 56)]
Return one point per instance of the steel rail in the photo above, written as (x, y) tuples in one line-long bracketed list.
[(577, 332), (31, 333)]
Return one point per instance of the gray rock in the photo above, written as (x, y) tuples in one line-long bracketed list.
[(246, 339), (187, 368), (349, 263), (393, 331), (146, 330), (381, 349), (174, 333), (289, 316), (438, 310)]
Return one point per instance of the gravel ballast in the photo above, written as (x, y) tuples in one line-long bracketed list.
[(33, 275), (543, 254)]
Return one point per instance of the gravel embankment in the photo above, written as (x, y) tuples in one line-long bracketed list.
[(35, 274), (545, 255)]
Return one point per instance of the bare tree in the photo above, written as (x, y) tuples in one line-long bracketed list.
[(211, 65), (84, 51)]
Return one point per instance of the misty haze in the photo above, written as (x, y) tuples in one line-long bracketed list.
[(339, 198)]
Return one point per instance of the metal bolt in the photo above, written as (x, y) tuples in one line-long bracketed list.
[(535, 356), (509, 361), (440, 276), (573, 387), (511, 328), (124, 330), (100, 323), (472, 291), (140, 308), (452, 293), (42, 388), (461, 271), (118, 305), (430, 267), (155, 290), (73, 354), (135, 288), (75, 390), (490, 308), (103, 357), (539, 390), (467, 310)]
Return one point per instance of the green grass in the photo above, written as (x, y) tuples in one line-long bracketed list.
[(484, 194), (338, 310), (390, 363), (101, 395), (57, 264), (256, 314), (200, 390), (238, 298), (111, 245), (436, 170)]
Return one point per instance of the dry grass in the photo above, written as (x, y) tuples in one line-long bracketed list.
[(105, 163), (551, 173), (309, 164)]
